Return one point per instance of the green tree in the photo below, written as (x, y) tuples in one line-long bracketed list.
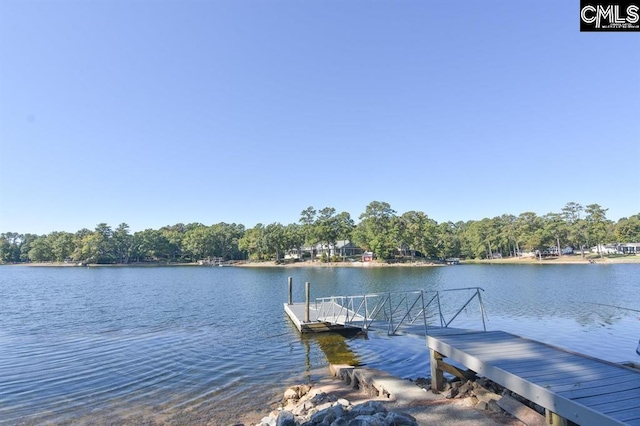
[(89, 248), (531, 231), (482, 239), (417, 232), (252, 242), (294, 237), (308, 228), (509, 234), (596, 220), (326, 229), (627, 230), (5, 249), (10, 247), (40, 250), (103, 244), (475, 247), (555, 228), (224, 238), (344, 227), (275, 241), (376, 232), (122, 243), (62, 245), (576, 227), (174, 234), (150, 244), (447, 243), (198, 242), (25, 246), (503, 242)]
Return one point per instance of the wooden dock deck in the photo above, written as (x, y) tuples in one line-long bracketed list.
[(576, 387)]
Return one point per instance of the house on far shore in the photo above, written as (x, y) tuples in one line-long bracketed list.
[(342, 248), (567, 250), (346, 248), (628, 248), (553, 251), (604, 249)]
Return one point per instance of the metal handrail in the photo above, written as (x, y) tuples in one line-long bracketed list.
[(394, 308)]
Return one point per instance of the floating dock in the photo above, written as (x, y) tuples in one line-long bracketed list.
[(309, 318), (297, 312)]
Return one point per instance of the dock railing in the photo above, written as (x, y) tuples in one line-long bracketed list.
[(401, 309)]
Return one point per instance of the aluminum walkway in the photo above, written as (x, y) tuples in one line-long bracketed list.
[(404, 312)]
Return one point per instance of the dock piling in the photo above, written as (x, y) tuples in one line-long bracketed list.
[(306, 302), (290, 300), (437, 376)]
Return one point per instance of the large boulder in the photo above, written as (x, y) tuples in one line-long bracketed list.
[(294, 393), (286, 418), (365, 420), (400, 419), (368, 408)]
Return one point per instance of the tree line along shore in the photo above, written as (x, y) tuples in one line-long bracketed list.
[(381, 231)]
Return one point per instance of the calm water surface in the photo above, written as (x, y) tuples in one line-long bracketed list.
[(191, 344)]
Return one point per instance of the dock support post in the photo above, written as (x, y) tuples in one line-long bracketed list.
[(306, 302), (290, 300), (437, 377), (555, 420)]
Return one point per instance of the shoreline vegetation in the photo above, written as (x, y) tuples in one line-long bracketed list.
[(381, 234), (562, 260)]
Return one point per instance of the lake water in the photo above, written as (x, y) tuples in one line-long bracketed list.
[(191, 344)]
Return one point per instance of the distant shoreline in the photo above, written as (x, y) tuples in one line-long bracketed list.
[(563, 260), (100, 265)]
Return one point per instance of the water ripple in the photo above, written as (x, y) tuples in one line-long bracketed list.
[(188, 345)]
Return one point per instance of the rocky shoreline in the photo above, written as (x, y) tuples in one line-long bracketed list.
[(366, 397)]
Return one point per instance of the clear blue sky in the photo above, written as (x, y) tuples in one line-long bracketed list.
[(157, 112)]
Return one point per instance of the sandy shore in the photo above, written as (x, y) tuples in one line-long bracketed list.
[(310, 264), (565, 260), (510, 261)]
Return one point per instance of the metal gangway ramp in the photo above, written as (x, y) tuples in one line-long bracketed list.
[(416, 312)]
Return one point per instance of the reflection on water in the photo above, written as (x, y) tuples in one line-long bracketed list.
[(402, 356), (334, 346)]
